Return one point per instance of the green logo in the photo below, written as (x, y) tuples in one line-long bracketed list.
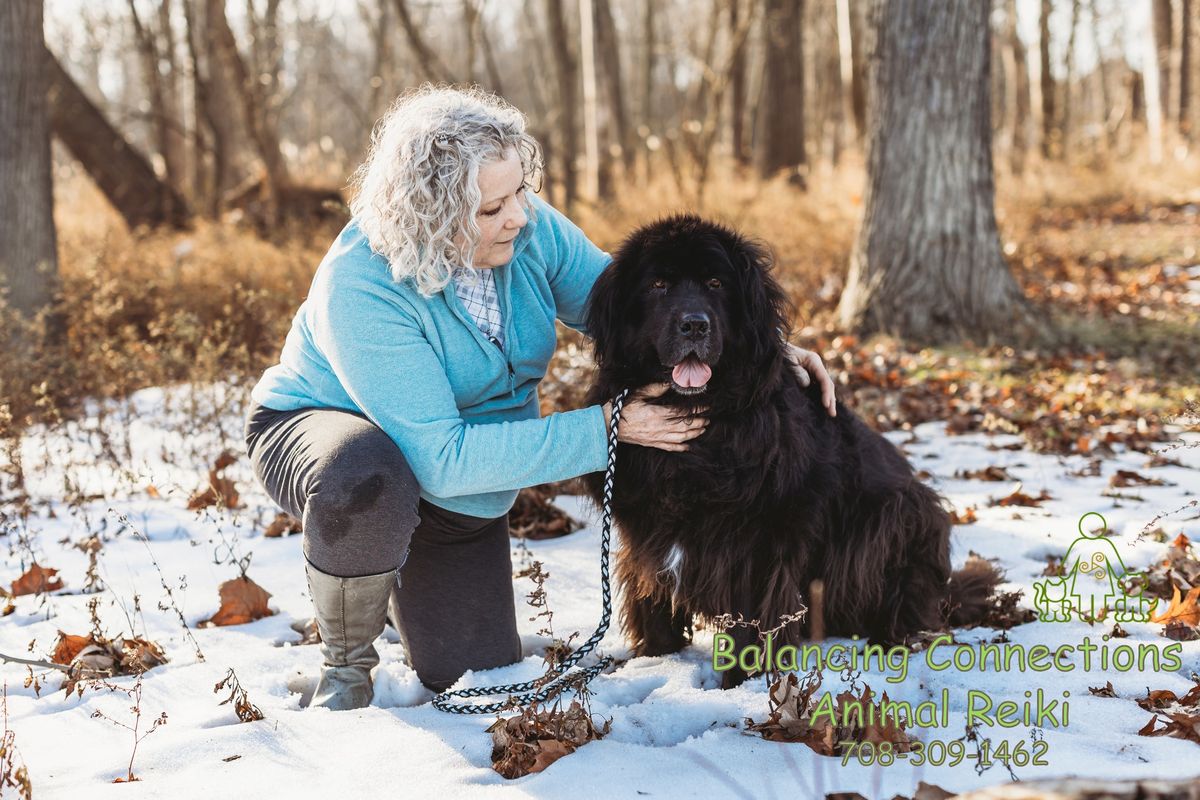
[(1094, 579)]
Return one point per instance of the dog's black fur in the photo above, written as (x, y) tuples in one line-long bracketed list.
[(775, 494)]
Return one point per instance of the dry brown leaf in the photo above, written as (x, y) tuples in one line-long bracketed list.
[(36, 580), (68, 646), (1018, 498), (967, 517), (220, 491), (992, 473), (224, 460), (242, 601), (139, 655), (283, 525), (1127, 477), (1186, 611)]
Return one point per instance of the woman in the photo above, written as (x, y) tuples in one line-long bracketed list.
[(402, 417)]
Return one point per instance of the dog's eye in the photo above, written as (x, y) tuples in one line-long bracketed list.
[(658, 283), (714, 283)]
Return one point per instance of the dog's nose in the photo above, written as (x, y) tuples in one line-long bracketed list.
[(694, 325)]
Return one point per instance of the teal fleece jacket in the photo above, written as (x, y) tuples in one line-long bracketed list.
[(464, 413)]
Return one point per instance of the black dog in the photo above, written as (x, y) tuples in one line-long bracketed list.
[(775, 494)]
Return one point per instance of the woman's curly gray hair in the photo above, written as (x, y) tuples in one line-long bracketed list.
[(418, 188)]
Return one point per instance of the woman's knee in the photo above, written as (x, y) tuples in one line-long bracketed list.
[(363, 493)]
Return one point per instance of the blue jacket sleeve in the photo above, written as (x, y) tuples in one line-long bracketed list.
[(380, 355), (574, 266)]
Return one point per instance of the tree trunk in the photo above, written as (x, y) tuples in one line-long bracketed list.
[(783, 102), (568, 93), (1016, 64), (122, 173), (1065, 134), (166, 127), (927, 264), (591, 116), (28, 254), (204, 177), (1152, 73), (1109, 116), (257, 117), (1163, 43), (845, 37), (614, 87), (1047, 81), (1185, 70), (737, 78), (859, 47), (430, 64)]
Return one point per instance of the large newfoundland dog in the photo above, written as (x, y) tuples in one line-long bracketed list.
[(775, 494)]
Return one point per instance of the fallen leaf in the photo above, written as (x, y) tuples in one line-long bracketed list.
[(68, 646), (37, 580), (1186, 611), (985, 474), (967, 517), (282, 525), (1018, 498), (242, 601), (1127, 477), (1181, 631), (220, 491)]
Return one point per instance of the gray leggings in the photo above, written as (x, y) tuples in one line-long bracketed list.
[(357, 497)]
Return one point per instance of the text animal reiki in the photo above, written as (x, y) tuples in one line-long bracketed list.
[(985, 657)]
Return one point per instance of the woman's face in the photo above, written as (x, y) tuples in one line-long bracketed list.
[(502, 211)]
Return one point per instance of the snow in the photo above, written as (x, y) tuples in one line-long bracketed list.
[(674, 731)]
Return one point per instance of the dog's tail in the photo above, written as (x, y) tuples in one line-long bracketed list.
[(970, 591)]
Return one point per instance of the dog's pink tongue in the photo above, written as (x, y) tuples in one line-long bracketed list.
[(691, 373)]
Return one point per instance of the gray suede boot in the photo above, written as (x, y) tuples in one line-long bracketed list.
[(350, 616)]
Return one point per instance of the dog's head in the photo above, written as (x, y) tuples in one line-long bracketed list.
[(692, 303)]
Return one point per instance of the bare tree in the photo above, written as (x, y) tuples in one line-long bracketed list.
[(737, 85), (156, 48), (427, 59), (1185, 69), (927, 263), (1164, 34), (1047, 80), (1016, 67), (591, 115), (783, 91), (28, 255), (1065, 125), (1152, 73), (567, 74), (608, 45), (123, 174)]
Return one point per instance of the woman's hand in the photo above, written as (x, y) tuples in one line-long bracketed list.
[(805, 362), (654, 426)]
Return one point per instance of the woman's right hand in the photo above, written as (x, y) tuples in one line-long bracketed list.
[(654, 426)]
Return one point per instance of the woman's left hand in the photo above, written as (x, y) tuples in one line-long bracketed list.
[(808, 365)]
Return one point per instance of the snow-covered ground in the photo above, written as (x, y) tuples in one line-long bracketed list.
[(674, 731)]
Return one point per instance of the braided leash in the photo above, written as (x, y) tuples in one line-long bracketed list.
[(556, 678)]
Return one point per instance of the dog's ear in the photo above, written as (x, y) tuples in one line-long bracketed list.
[(763, 303), (605, 314)]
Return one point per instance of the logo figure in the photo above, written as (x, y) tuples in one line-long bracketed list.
[(1095, 579)]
